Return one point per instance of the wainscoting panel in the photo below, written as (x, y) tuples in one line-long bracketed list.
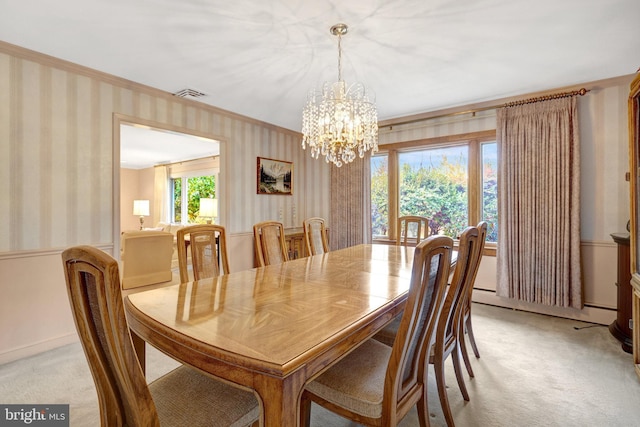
[(599, 272)]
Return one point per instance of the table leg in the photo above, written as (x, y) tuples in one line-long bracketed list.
[(280, 399), (139, 347)]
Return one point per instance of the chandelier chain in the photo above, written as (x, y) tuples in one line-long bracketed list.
[(339, 57)]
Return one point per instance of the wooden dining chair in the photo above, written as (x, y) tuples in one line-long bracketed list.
[(377, 385), (182, 397), (206, 245), (448, 334), (388, 334), (270, 246), (465, 326), (315, 236), (407, 225)]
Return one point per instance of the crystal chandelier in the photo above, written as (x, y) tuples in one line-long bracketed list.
[(339, 120)]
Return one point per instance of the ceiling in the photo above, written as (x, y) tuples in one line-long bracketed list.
[(142, 147), (260, 58)]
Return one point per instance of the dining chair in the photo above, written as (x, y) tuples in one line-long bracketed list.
[(448, 331), (406, 227), (375, 384), (182, 397), (206, 245), (270, 246), (448, 334), (387, 335), (315, 236), (465, 325)]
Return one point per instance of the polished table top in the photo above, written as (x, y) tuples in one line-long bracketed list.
[(273, 328)]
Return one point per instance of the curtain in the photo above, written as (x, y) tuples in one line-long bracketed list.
[(350, 204), (538, 203), (160, 195)]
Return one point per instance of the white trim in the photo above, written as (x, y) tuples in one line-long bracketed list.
[(599, 315), (39, 347)]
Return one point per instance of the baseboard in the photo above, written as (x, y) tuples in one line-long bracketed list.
[(590, 314), (33, 349)]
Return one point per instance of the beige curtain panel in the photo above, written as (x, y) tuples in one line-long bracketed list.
[(538, 203), (350, 208)]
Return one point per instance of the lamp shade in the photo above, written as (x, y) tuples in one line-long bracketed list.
[(141, 207), (208, 207)]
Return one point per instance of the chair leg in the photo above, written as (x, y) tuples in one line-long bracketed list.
[(465, 355), (455, 355), (442, 389), (469, 330), (423, 409), (305, 411)]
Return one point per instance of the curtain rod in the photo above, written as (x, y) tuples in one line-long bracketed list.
[(580, 92)]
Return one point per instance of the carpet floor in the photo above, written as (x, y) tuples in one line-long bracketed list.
[(534, 370)]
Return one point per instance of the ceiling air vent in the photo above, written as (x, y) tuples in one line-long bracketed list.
[(188, 93)]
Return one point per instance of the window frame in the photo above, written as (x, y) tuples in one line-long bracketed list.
[(473, 140)]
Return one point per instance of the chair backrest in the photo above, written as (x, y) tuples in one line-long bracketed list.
[(406, 226), (405, 373), (93, 285), (482, 235), (463, 274), (315, 236), (207, 245), (270, 246)]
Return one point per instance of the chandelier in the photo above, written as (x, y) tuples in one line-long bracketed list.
[(340, 120)]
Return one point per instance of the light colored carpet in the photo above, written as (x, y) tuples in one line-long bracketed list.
[(534, 370)]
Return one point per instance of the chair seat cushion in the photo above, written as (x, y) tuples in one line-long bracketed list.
[(185, 397), (357, 381)]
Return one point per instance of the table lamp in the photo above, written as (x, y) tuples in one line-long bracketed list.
[(208, 209), (141, 208)]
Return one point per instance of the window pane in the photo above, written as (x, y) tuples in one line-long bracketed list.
[(433, 184), (490, 189), (380, 196), (198, 187), (176, 200)]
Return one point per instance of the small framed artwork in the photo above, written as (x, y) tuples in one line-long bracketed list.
[(274, 176)]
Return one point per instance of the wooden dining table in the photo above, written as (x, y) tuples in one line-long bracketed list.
[(273, 329)]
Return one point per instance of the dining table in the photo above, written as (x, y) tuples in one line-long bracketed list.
[(273, 329)]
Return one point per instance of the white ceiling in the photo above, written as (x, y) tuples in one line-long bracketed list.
[(143, 147), (260, 58)]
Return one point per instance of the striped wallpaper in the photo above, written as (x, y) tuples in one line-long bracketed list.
[(57, 154)]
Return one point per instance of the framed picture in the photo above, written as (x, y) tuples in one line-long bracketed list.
[(274, 176)]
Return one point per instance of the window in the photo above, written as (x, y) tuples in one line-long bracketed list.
[(379, 199), (490, 189), (186, 204), (433, 183), (452, 181)]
